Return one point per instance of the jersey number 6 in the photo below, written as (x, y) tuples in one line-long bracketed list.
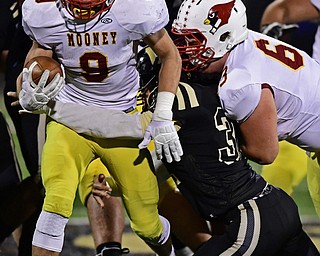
[(281, 53)]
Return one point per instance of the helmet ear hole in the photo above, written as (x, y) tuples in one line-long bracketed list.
[(224, 36)]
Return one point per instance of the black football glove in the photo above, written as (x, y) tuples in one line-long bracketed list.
[(276, 29)]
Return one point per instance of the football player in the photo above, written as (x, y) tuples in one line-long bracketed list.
[(248, 216), (93, 40), (269, 87), (192, 233), (276, 18)]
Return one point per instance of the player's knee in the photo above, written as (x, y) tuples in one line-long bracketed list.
[(166, 189), (159, 236), (49, 232), (59, 205)]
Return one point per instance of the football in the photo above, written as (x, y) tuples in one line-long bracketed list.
[(41, 63)]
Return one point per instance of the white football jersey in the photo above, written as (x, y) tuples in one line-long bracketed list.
[(316, 45), (294, 78), (99, 61)]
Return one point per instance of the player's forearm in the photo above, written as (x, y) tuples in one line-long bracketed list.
[(170, 73), (170, 59), (284, 11), (38, 50), (275, 12), (97, 122), (34, 51)]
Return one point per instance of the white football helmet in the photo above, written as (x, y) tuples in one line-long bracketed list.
[(206, 30)]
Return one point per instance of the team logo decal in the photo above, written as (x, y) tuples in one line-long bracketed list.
[(106, 20), (218, 16)]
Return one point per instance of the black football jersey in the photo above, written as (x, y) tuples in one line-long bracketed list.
[(212, 174)]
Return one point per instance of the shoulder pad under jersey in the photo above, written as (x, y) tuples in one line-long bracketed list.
[(143, 17)]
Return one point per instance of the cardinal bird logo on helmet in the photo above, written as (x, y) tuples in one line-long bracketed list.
[(219, 15)]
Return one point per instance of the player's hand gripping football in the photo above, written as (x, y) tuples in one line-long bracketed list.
[(33, 98), (166, 140)]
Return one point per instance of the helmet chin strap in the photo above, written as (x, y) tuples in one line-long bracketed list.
[(231, 43), (207, 64)]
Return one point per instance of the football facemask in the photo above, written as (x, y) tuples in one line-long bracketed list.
[(86, 9), (191, 44)]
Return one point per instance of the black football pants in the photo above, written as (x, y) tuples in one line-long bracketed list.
[(266, 226)]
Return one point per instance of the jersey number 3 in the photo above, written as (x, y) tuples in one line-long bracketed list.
[(230, 153)]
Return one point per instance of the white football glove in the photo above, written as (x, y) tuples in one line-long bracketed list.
[(162, 130), (166, 140), (34, 99), (276, 29)]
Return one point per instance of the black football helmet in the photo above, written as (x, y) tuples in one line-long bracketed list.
[(148, 66)]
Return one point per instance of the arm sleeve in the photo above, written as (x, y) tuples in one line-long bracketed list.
[(147, 17), (240, 103), (98, 122)]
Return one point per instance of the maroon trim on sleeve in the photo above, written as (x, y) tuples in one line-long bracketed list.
[(268, 87)]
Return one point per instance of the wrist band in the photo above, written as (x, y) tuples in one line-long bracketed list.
[(163, 106)]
